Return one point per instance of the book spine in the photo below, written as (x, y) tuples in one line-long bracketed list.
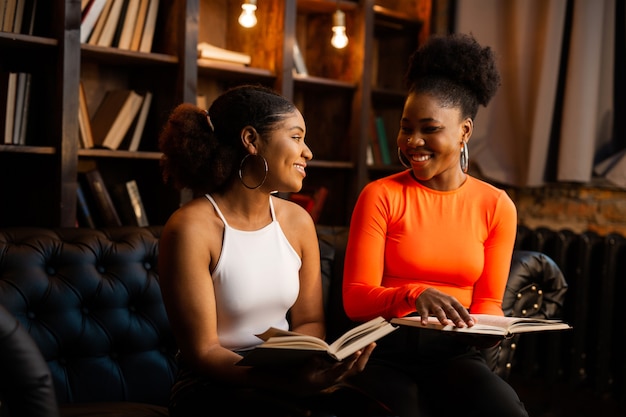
[(10, 108), (148, 29), (128, 27), (83, 211), (141, 122), (136, 202), (382, 141), (102, 198), (91, 17)]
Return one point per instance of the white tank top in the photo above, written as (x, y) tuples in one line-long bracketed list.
[(256, 281)]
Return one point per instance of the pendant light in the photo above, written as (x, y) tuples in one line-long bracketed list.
[(247, 18), (339, 39)]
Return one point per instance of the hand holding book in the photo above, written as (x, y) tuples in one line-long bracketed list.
[(490, 325)]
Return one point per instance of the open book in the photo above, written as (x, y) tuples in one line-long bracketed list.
[(487, 324), (284, 347)]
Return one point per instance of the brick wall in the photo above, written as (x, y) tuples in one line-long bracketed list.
[(597, 208)]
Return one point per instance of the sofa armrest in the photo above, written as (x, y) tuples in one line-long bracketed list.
[(536, 287)]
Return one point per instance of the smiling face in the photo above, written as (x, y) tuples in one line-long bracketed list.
[(431, 138), (287, 154)]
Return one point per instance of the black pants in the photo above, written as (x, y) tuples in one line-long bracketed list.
[(429, 373), (193, 395)]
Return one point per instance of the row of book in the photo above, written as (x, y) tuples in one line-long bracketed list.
[(97, 207), (119, 121), (17, 16), (378, 148), (124, 24), (15, 86)]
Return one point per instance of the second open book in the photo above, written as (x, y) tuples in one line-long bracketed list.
[(284, 347), (486, 324)]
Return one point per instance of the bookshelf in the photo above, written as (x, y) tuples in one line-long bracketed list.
[(38, 179)]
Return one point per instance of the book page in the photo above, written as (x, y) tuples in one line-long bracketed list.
[(356, 333), (287, 338)]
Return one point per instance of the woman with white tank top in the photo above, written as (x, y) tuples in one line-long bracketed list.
[(236, 259)]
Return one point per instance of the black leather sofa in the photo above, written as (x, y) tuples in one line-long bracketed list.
[(90, 301)]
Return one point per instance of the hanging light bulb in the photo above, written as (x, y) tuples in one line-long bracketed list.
[(339, 40), (247, 18)]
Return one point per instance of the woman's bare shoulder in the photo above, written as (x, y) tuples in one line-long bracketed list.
[(196, 216), (290, 214)]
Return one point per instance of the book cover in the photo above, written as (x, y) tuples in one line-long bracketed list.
[(114, 117), (9, 120), (282, 347), (303, 200), (110, 25), (84, 6), (208, 51), (4, 100), (128, 26), (9, 15), (140, 122), (298, 60), (142, 13), (108, 214), (148, 29), (486, 324), (100, 23), (130, 205), (383, 143), (120, 24), (319, 199), (18, 20), (373, 136), (22, 104), (83, 212), (84, 123), (90, 18), (28, 21)]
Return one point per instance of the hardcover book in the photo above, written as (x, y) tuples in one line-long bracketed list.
[(486, 324), (130, 204), (108, 214), (114, 117), (283, 347)]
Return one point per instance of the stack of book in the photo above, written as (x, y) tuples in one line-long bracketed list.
[(119, 121), (99, 205), (15, 88), (17, 16), (124, 24), (210, 54)]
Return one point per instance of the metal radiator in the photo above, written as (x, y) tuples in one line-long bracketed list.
[(593, 353)]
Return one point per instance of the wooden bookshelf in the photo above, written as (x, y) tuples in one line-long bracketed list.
[(336, 97)]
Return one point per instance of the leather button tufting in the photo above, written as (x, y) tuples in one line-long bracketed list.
[(100, 269), (147, 265), (30, 315), (50, 270)]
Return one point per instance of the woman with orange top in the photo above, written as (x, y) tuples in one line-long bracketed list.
[(434, 241)]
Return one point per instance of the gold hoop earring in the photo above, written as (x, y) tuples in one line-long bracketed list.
[(403, 160), (242, 166), (464, 157)]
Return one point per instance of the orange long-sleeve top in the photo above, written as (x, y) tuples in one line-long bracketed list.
[(405, 238)]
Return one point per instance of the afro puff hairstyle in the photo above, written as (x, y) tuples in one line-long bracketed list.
[(456, 69)]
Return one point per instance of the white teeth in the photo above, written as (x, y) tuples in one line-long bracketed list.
[(420, 158)]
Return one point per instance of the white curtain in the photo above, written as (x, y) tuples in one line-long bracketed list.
[(545, 124)]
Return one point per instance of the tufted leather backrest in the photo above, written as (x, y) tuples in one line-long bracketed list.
[(91, 301)]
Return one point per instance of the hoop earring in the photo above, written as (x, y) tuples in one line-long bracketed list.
[(464, 158), (405, 163), (241, 169)]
